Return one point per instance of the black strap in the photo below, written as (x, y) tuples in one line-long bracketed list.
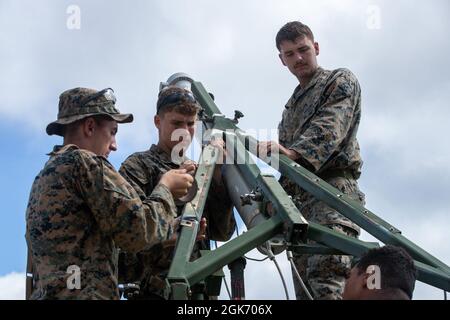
[(335, 173)]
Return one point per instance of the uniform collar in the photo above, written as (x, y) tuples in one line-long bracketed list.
[(317, 75), (58, 149), (299, 91)]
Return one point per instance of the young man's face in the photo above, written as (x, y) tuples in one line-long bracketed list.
[(104, 137), (354, 285), (300, 56), (175, 126)]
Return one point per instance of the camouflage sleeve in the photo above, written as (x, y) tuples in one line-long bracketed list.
[(282, 130), (133, 173), (159, 204), (132, 265), (219, 213), (115, 205), (331, 123)]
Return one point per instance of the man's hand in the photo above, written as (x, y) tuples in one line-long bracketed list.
[(265, 148), (190, 167), (220, 147), (201, 234), (178, 181)]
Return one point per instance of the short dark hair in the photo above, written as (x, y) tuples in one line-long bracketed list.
[(176, 99), (291, 31), (396, 267), (98, 118)]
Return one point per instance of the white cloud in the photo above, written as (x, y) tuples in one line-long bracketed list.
[(12, 286)]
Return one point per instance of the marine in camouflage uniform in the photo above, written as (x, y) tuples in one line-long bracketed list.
[(320, 122), (81, 210), (142, 170)]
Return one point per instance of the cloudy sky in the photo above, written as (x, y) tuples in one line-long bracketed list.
[(398, 50)]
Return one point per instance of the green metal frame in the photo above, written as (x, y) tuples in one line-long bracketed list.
[(287, 220)]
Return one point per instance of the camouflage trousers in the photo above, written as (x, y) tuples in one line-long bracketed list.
[(324, 275)]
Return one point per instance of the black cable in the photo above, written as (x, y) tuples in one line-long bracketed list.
[(282, 278), (226, 286), (257, 260)]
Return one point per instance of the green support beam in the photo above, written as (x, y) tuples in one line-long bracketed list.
[(230, 251), (431, 269), (427, 274), (192, 214)]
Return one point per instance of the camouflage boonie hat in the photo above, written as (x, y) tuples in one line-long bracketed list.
[(79, 103)]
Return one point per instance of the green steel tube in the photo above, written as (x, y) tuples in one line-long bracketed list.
[(429, 275), (199, 269), (192, 214), (366, 219), (355, 212)]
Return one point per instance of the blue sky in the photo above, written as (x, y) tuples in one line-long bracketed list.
[(398, 50)]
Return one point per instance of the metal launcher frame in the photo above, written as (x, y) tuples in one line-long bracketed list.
[(190, 279)]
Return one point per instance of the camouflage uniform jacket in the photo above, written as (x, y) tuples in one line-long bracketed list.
[(143, 170), (80, 212), (320, 123)]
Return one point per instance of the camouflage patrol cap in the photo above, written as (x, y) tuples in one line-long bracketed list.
[(79, 103)]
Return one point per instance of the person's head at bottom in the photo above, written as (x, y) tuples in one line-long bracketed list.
[(386, 273)]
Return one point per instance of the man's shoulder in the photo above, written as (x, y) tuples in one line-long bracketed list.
[(140, 165), (80, 164), (342, 83), (76, 155), (342, 75), (144, 159), (136, 160)]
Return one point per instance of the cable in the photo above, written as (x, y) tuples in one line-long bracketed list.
[(291, 260), (224, 279), (226, 286), (445, 295), (272, 257), (282, 279), (254, 259)]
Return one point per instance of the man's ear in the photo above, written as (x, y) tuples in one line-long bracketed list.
[(281, 58), (89, 126), (157, 121), (365, 278), (316, 48)]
